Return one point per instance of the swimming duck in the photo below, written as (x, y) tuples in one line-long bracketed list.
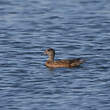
[(60, 63)]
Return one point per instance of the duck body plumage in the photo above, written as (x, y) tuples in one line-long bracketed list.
[(64, 63), (61, 63)]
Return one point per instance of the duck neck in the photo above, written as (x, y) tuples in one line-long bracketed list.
[(51, 58)]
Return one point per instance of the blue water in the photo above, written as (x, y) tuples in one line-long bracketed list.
[(74, 28)]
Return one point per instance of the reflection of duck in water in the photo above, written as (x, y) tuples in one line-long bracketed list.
[(60, 63)]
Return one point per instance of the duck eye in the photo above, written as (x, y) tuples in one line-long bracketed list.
[(49, 49)]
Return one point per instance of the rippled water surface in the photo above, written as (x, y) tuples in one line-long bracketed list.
[(74, 28)]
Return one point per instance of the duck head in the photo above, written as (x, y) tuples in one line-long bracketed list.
[(51, 53)]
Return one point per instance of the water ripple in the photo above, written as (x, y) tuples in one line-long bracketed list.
[(74, 29)]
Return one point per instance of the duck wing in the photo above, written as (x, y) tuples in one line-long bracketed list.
[(69, 63), (76, 62)]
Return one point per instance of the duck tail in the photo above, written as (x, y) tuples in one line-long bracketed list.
[(81, 61), (77, 62)]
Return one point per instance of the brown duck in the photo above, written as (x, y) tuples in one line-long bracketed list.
[(60, 63)]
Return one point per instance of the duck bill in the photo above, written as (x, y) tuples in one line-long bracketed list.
[(45, 52)]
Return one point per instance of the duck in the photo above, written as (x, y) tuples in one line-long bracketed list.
[(63, 63)]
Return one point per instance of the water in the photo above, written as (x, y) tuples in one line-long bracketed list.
[(74, 28)]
